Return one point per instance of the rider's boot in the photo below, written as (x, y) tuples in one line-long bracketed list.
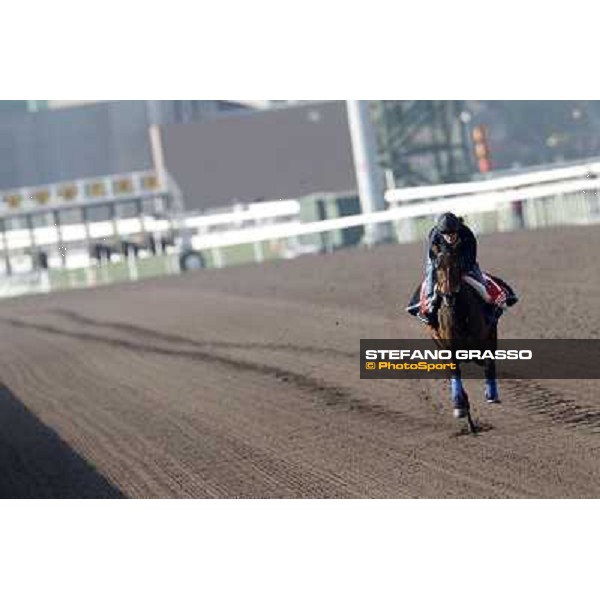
[(493, 313), (430, 317)]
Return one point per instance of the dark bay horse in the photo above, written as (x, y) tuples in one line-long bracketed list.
[(465, 322)]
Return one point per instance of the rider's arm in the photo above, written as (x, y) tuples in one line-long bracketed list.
[(430, 240)]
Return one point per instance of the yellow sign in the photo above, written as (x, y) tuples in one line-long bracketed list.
[(41, 196), (149, 182), (96, 189), (68, 192), (13, 200), (122, 186)]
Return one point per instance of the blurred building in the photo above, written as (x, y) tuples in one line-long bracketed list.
[(219, 152), (525, 133), (10, 108), (423, 142), (88, 139), (285, 152), (433, 141)]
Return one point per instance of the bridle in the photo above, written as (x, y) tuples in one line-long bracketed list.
[(442, 263)]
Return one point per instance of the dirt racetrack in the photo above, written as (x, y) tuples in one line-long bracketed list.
[(244, 382)]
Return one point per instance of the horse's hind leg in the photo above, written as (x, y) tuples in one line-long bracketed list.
[(491, 384)]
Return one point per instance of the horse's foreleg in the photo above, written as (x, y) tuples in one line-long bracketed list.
[(460, 400), (491, 384)]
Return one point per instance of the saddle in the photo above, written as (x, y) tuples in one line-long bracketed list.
[(495, 292)]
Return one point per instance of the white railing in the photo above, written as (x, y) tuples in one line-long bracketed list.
[(439, 202), (549, 197), (254, 215), (562, 192), (503, 183)]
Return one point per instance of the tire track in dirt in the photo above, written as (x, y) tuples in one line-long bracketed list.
[(179, 339), (239, 461), (329, 395), (163, 474), (541, 400), (371, 408)]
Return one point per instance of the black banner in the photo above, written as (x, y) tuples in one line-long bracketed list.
[(513, 359)]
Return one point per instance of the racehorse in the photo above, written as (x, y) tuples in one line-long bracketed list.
[(465, 322)]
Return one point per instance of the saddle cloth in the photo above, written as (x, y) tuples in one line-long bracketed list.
[(495, 292)]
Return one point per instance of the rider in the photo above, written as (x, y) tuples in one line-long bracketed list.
[(448, 231)]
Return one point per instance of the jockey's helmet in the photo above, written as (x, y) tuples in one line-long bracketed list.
[(448, 223)]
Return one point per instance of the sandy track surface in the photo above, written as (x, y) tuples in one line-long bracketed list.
[(244, 383)]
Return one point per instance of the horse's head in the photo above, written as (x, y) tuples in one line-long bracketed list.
[(448, 271)]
